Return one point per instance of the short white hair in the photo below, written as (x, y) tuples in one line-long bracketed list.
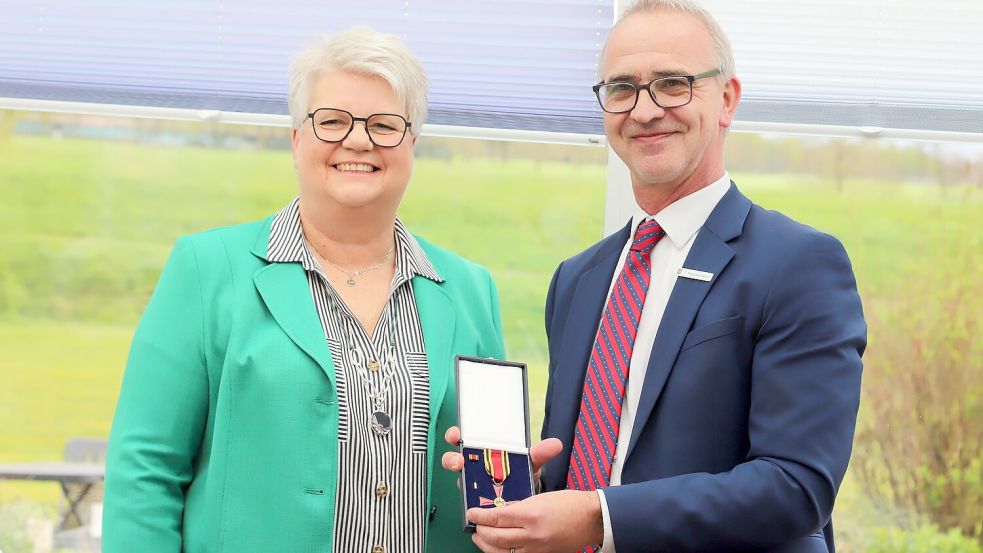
[(723, 54), (363, 51)]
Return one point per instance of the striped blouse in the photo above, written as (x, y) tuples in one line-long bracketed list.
[(381, 489)]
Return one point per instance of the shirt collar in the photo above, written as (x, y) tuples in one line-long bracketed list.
[(416, 260), (287, 245), (683, 218)]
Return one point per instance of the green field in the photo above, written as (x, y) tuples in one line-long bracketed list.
[(87, 225), (86, 235)]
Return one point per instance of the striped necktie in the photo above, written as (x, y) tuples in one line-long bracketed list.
[(596, 435)]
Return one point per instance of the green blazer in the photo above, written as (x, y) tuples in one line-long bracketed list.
[(226, 430)]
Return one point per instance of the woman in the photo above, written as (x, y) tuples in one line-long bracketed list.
[(287, 380)]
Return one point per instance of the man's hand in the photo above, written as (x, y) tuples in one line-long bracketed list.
[(554, 522), (539, 454)]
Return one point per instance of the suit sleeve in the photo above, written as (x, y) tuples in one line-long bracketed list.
[(160, 416), (805, 392), (550, 304)]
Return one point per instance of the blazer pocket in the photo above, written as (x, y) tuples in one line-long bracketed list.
[(716, 329)]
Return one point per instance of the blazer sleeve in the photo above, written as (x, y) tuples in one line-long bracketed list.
[(494, 346), (805, 392), (160, 415)]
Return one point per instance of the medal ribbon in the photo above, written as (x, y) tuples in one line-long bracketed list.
[(497, 467)]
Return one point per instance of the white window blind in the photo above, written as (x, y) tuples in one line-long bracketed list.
[(892, 64), (506, 64)]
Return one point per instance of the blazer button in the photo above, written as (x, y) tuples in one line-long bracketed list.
[(433, 513)]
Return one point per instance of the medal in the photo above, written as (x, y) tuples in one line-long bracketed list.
[(497, 467)]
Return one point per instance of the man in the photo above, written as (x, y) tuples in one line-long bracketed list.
[(705, 360)]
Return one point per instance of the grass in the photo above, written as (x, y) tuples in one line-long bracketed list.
[(59, 380), (88, 224), (85, 238)]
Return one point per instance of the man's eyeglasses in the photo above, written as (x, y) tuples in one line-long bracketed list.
[(667, 92), (385, 130)]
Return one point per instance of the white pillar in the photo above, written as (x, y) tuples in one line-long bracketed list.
[(619, 201)]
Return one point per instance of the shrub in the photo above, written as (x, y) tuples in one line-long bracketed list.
[(924, 539), (921, 426)]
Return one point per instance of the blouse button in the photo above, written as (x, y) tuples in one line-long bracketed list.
[(381, 490)]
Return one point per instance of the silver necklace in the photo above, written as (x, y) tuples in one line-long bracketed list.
[(380, 420), (352, 274)]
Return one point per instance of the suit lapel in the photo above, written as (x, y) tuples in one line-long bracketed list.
[(284, 289), (437, 320), (710, 253), (579, 332), (286, 293)]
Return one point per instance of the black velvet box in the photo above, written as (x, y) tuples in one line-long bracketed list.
[(493, 414)]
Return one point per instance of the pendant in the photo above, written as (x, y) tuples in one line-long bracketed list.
[(351, 280), (381, 422), (499, 500)]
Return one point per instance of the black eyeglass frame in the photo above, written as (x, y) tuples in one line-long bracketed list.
[(648, 86), (365, 121)]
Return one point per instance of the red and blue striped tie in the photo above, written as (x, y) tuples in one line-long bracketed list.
[(596, 435)]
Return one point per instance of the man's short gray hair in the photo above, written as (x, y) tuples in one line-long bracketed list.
[(723, 54), (363, 51)]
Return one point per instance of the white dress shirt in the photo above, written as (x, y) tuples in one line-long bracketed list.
[(682, 221)]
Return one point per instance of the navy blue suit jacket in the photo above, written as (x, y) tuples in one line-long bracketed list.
[(747, 412)]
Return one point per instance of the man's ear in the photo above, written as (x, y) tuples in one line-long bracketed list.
[(732, 97)]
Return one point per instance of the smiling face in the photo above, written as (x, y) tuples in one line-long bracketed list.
[(353, 173), (674, 151)]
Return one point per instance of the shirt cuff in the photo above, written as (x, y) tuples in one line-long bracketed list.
[(608, 545)]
